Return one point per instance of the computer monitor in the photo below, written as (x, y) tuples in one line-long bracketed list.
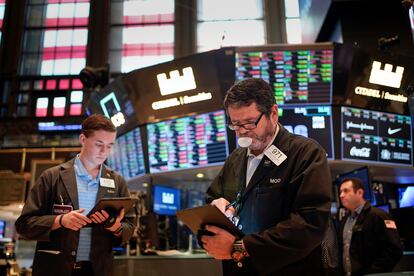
[(127, 155), (373, 136), (115, 103), (2, 229), (361, 173), (187, 142), (166, 200), (312, 121), (299, 74), (405, 196)]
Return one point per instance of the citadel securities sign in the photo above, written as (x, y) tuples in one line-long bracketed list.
[(192, 84), (177, 84), (385, 77)]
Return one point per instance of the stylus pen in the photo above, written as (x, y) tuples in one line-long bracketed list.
[(235, 201)]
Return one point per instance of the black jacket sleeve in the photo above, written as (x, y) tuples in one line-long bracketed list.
[(35, 221)]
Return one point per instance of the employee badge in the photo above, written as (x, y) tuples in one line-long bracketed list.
[(60, 209), (275, 154), (107, 182)]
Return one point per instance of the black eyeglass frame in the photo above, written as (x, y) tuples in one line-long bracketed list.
[(251, 127)]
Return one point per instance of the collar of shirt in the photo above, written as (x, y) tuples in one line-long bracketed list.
[(357, 211), (81, 172), (260, 156)]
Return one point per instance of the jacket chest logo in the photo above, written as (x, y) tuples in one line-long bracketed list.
[(275, 180)]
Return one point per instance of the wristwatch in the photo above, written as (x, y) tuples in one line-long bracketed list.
[(238, 253)]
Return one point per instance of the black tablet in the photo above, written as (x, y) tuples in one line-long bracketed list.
[(116, 203), (196, 218)]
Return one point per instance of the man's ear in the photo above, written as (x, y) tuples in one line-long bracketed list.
[(82, 139), (360, 192)]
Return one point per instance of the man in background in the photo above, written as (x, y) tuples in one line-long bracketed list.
[(55, 213), (370, 242)]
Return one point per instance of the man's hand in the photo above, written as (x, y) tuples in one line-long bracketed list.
[(221, 204), (219, 246), (75, 220), (99, 216), (117, 223)]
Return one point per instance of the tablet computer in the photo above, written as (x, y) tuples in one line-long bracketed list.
[(116, 203), (198, 217)]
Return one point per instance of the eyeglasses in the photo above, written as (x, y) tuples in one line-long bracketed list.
[(247, 126)]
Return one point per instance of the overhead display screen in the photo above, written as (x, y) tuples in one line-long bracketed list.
[(127, 156), (376, 136), (378, 80), (298, 75), (187, 142), (313, 122), (113, 101), (167, 200), (191, 84)]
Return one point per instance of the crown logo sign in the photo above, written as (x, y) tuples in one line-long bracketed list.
[(176, 83), (386, 77), (168, 198)]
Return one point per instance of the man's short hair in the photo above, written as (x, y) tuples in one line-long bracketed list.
[(97, 122), (356, 183), (247, 91)]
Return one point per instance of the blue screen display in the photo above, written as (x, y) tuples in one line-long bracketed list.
[(2, 228), (384, 207), (405, 196), (167, 200), (361, 173)]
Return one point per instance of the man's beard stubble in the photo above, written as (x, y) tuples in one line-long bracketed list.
[(260, 142)]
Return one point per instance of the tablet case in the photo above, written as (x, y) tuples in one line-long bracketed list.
[(115, 203), (196, 218)]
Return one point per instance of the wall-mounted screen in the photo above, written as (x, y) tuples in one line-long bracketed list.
[(191, 84), (376, 136), (2, 229), (377, 80), (363, 175), (187, 142), (167, 200), (313, 121), (405, 196), (127, 155), (300, 74), (114, 102)]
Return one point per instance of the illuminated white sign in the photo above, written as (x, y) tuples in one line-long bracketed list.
[(361, 126), (386, 77), (167, 198), (117, 119), (393, 131), (362, 152), (375, 93), (183, 100), (176, 83)]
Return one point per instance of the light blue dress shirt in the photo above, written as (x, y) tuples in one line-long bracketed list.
[(87, 191)]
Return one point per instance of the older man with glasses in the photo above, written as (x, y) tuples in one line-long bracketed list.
[(277, 188)]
